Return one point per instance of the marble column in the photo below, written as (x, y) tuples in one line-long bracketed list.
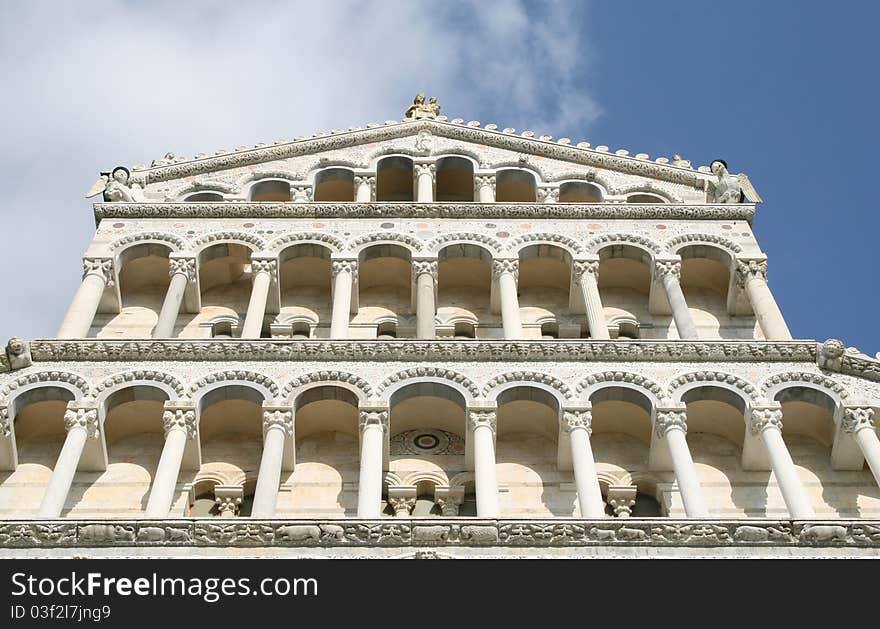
[(180, 427), (752, 275), (373, 425), (81, 425), (505, 272), (766, 422), (482, 425), (424, 174), (277, 428), (670, 274), (425, 272), (263, 271), (859, 422), (485, 188), (671, 425), (576, 423), (586, 274), (344, 272), (97, 275), (364, 187), (182, 272)]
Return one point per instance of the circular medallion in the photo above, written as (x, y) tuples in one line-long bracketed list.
[(426, 441)]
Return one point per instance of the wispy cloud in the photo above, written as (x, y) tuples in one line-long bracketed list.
[(89, 85)]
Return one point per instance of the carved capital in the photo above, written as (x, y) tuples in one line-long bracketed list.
[(668, 267), (481, 181), (365, 180), (421, 267), (343, 266), (182, 266), (228, 500), (264, 265), (480, 419), (762, 419), (747, 270), (373, 417), (402, 500), (856, 418), (579, 267), (622, 498), (84, 418), (100, 267), (279, 419), (301, 194), (574, 420), (180, 419), (507, 265), (424, 169), (449, 499), (548, 195), (670, 419)]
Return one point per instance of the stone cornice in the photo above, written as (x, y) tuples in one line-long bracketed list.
[(560, 150), (54, 350), (243, 209), (467, 532)]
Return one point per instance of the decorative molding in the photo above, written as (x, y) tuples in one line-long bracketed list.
[(607, 240), (535, 533), (674, 244), (281, 243), (47, 377), (176, 243), (803, 378), (328, 378), (573, 246), (228, 236), (626, 377), (526, 377), (557, 350), (121, 380), (430, 372), (464, 210), (386, 237), (233, 376), (749, 391), (441, 242)]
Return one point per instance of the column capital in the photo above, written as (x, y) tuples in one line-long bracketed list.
[(622, 499), (179, 417), (421, 266), (373, 416), (484, 180), (84, 417), (501, 266), (548, 195), (750, 268), (264, 264), (99, 267), (576, 418), (670, 418), (424, 169), (449, 499), (478, 418), (402, 500), (180, 264), (301, 193), (585, 265), (856, 418), (278, 417), (668, 266), (343, 265), (228, 499), (765, 417)]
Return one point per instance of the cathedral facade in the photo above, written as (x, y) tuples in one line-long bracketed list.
[(432, 337)]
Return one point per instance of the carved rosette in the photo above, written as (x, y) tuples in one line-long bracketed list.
[(856, 418), (574, 420), (179, 419), (421, 267), (765, 418), (278, 419), (82, 417), (482, 419), (747, 270), (508, 265), (100, 267), (5, 426), (481, 181), (182, 266), (367, 418), (579, 267), (668, 267), (670, 419)]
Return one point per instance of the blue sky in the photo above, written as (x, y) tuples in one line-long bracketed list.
[(784, 91)]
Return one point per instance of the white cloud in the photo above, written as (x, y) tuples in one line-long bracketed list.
[(90, 85)]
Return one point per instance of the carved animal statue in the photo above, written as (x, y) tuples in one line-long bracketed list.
[(824, 533), (430, 533), (479, 534), (298, 532), (105, 533), (158, 534), (333, 531), (603, 534), (631, 535), (751, 534)]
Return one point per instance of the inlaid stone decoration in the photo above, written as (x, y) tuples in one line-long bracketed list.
[(433, 337)]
